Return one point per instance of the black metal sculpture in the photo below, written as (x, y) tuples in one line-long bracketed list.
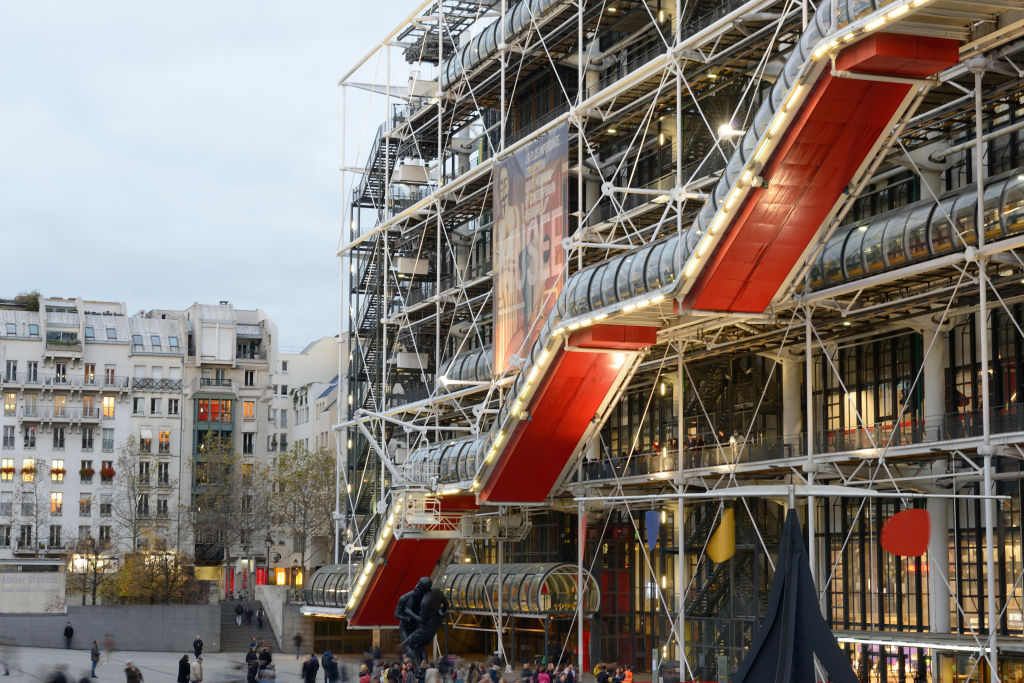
[(794, 630), (433, 609), (408, 610)]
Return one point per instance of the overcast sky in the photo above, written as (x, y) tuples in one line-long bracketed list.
[(164, 153)]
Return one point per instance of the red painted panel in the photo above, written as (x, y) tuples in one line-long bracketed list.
[(405, 562), (574, 387), (895, 54), (614, 337), (829, 139)]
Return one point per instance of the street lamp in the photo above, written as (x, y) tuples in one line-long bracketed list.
[(269, 542)]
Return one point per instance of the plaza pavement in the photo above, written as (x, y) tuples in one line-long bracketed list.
[(36, 664)]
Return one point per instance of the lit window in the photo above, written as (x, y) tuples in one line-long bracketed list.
[(165, 441), (10, 403), (108, 407), (28, 470), (56, 503), (57, 470), (249, 410), (7, 469), (145, 440)]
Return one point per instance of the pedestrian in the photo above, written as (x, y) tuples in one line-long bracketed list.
[(197, 646), (628, 675), (68, 632), (543, 676), (364, 674), (252, 656), (248, 615), (238, 614), (94, 657), (432, 674), (132, 673), (330, 666), (252, 642), (265, 658), (195, 672), (324, 658), (259, 618), (252, 671), (310, 667), (297, 639), (183, 670)]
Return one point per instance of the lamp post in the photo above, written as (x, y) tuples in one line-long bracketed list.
[(269, 543)]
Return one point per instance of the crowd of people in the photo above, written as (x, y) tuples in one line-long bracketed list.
[(375, 670)]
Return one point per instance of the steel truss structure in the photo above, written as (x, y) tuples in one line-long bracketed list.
[(798, 223)]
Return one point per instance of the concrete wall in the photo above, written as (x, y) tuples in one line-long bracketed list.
[(274, 600), (156, 628)]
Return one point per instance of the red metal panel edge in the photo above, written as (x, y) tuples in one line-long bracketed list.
[(614, 337), (404, 563), (896, 54)]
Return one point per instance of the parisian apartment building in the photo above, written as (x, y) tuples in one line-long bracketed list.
[(84, 382)]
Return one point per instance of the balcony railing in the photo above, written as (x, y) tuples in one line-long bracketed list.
[(251, 355), (214, 382), (156, 384), (881, 434)]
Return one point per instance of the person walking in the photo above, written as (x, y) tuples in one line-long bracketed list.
[(310, 667), (197, 647), (183, 670), (432, 674), (195, 672), (259, 618), (297, 639), (330, 667), (132, 673), (238, 614), (68, 633)]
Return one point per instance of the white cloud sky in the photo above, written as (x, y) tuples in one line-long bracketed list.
[(164, 153)]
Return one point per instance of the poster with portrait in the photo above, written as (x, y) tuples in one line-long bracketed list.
[(530, 195)]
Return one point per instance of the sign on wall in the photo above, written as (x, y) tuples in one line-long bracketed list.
[(530, 195), (32, 593)]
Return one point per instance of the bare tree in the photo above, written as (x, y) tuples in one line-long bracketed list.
[(32, 509), (231, 499), (304, 495), (90, 566), (130, 507)]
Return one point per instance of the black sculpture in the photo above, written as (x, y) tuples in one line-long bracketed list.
[(433, 610), (794, 630), (408, 610)]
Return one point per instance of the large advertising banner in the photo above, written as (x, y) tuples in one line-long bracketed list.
[(531, 194)]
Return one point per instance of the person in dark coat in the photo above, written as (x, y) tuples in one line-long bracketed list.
[(68, 633), (331, 670), (183, 669), (197, 646), (252, 656), (252, 671), (94, 656), (265, 658), (310, 667), (132, 673)]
